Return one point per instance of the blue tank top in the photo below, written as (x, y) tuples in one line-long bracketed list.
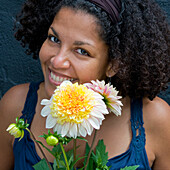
[(25, 155)]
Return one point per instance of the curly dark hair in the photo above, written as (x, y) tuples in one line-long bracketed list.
[(139, 42)]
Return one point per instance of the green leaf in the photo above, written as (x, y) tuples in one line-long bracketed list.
[(101, 154), (65, 140), (98, 159), (70, 159), (130, 167), (45, 136), (59, 164), (62, 163), (80, 138), (45, 147), (17, 120), (55, 165), (74, 162), (57, 151), (41, 165)]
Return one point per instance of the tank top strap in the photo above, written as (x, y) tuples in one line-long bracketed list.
[(30, 103), (138, 131)]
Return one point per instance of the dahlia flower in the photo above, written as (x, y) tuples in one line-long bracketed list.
[(74, 110), (109, 93)]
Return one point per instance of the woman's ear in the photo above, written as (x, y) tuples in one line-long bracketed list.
[(112, 68)]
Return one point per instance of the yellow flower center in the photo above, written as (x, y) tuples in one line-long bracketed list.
[(72, 104)]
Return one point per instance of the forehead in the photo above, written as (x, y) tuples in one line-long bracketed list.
[(78, 19)]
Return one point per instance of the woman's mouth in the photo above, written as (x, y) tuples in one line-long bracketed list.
[(57, 80)]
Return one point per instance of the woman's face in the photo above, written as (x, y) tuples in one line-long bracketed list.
[(73, 50)]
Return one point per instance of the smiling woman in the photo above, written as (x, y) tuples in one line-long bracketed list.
[(122, 42), (73, 50)]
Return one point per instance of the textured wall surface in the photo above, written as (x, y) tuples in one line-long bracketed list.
[(15, 66)]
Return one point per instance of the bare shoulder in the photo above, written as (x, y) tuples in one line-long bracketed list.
[(12, 104), (156, 111), (13, 101), (157, 126)]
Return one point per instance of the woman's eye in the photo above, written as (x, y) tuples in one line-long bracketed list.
[(53, 39), (82, 52)]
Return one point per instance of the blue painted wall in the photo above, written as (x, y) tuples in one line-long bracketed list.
[(15, 66)]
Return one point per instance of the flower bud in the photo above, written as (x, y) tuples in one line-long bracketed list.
[(51, 140), (14, 130)]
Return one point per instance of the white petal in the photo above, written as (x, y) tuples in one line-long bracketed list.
[(73, 131), (45, 111), (101, 109), (65, 129), (100, 121), (58, 128), (97, 114), (10, 127), (94, 122), (82, 130), (55, 129), (100, 103), (45, 102), (116, 110), (88, 85), (78, 127), (50, 121), (68, 135), (98, 96), (64, 84), (87, 126)]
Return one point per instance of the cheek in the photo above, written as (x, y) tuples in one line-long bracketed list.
[(92, 71), (43, 54)]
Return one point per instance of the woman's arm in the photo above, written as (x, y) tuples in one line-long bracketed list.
[(11, 106)]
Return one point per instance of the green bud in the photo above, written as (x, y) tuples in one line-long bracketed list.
[(14, 130), (17, 129), (51, 140)]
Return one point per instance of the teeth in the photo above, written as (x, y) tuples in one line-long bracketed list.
[(60, 79), (56, 78)]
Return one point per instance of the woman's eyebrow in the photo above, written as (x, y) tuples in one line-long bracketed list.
[(55, 33), (82, 43), (75, 43)]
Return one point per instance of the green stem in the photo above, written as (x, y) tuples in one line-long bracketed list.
[(49, 166), (91, 148), (74, 151), (57, 163), (65, 157)]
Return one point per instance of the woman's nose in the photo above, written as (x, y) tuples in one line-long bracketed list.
[(60, 61)]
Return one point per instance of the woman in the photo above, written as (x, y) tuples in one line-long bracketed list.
[(82, 40)]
